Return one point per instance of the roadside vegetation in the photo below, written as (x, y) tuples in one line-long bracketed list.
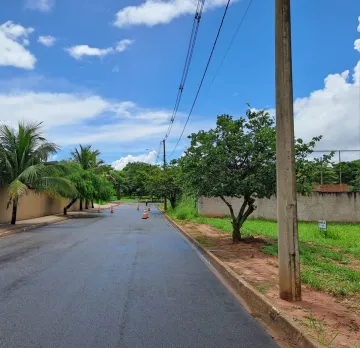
[(328, 260)]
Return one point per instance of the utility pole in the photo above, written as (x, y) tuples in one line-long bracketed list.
[(165, 200), (288, 239)]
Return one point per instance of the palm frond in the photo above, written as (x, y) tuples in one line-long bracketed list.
[(57, 186), (17, 189), (32, 173)]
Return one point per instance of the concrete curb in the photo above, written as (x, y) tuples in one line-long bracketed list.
[(31, 227), (41, 224), (258, 305)]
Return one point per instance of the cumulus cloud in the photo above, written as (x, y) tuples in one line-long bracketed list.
[(13, 38), (123, 45), (53, 108), (78, 52), (39, 5), (47, 41), (357, 45), (333, 112), (145, 158), (153, 12)]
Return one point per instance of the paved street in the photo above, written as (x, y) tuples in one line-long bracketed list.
[(115, 281)]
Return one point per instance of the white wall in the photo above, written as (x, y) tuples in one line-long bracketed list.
[(336, 207)]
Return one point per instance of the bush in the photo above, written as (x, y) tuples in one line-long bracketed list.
[(185, 210)]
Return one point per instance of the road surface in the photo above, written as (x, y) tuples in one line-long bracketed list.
[(115, 281)]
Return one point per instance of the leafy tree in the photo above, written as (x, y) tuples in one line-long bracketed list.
[(90, 185), (165, 183), (23, 156), (349, 172), (138, 175), (119, 181), (88, 160), (236, 159)]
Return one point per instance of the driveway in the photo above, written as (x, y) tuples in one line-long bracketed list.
[(115, 281)]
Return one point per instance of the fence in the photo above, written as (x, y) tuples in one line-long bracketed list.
[(334, 207)]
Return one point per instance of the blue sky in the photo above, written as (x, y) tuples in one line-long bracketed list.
[(106, 73)]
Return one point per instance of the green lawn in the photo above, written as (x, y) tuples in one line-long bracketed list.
[(327, 260)]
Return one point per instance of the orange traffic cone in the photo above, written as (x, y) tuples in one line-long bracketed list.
[(138, 207), (99, 211), (112, 210), (149, 209), (145, 215)]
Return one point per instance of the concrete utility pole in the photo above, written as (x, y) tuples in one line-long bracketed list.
[(289, 265), (165, 200)]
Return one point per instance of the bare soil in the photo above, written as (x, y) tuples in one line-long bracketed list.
[(338, 315)]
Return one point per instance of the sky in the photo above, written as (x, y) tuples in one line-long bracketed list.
[(106, 73)]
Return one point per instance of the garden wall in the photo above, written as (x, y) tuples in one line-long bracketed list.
[(335, 207), (33, 205)]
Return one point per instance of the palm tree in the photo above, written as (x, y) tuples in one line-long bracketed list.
[(23, 156), (88, 159)]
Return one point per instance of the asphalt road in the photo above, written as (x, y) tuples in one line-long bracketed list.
[(115, 281)]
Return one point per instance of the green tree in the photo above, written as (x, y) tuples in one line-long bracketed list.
[(236, 159), (138, 175), (23, 156), (165, 183), (89, 161)]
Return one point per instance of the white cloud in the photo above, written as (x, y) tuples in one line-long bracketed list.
[(13, 37), (15, 31), (358, 28), (145, 158), (78, 52), (52, 108), (333, 112), (123, 45), (47, 41), (357, 45), (39, 5), (153, 12)]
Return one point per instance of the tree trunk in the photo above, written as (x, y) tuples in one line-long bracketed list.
[(118, 194), (92, 204), (173, 202), (14, 211), (69, 205), (236, 232), (86, 204), (81, 206)]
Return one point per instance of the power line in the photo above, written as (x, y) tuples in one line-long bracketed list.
[(203, 77), (189, 55), (231, 42)]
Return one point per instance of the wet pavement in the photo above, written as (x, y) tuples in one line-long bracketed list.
[(115, 281)]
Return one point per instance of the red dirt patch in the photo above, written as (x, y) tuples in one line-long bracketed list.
[(339, 315)]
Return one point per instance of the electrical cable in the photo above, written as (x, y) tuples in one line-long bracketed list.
[(189, 55), (231, 42), (204, 74)]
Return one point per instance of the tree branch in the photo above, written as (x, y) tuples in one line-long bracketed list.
[(229, 206)]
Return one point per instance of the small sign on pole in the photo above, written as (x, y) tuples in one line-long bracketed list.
[(322, 225)]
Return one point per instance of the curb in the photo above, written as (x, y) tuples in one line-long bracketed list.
[(31, 227), (40, 224), (258, 305)]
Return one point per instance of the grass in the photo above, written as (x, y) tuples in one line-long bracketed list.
[(325, 259), (317, 326)]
